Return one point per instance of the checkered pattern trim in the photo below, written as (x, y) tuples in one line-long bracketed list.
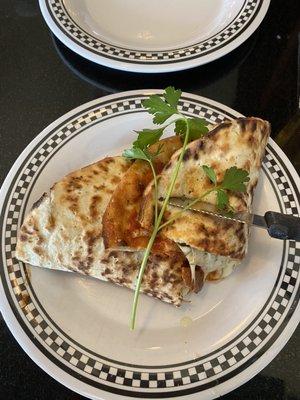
[(282, 184), (63, 19), (89, 365)]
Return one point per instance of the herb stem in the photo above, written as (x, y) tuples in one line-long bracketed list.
[(156, 226), (155, 190), (140, 276)]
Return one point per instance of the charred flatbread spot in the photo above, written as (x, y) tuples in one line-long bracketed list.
[(95, 201), (247, 165), (126, 270), (240, 233), (83, 266), (242, 122), (220, 127), (99, 187), (102, 167), (39, 201), (155, 275), (115, 179), (187, 154), (74, 183), (200, 145), (253, 125), (23, 238), (91, 237), (51, 223), (204, 243), (225, 147), (167, 296), (73, 199), (239, 255), (40, 240), (107, 271), (126, 166), (38, 250), (25, 230)]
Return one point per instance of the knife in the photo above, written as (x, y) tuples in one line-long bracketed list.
[(279, 226)]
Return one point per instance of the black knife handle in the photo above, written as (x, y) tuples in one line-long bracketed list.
[(283, 226)]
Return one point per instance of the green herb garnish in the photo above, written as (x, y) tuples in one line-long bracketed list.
[(162, 108), (234, 180)]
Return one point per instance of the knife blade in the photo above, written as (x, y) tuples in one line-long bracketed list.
[(279, 226)]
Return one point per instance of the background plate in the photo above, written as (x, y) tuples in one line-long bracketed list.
[(143, 36), (76, 328)]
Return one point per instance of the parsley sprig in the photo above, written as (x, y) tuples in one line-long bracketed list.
[(234, 180), (165, 112), (162, 108)]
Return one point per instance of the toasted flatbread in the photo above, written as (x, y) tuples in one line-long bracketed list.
[(121, 226), (122, 229), (63, 231), (97, 220), (64, 228), (217, 245)]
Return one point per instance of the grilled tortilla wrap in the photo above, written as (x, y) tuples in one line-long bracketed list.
[(216, 245), (122, 228), (64, 231)]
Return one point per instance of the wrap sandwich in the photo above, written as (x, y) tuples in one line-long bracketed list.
[(97, 221)]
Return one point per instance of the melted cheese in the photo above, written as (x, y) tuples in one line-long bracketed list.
[(209, 262)]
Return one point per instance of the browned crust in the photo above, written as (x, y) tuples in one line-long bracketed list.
[(199, 231), (167, 271), (121, 226)]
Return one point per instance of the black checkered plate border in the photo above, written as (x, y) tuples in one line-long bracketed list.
[(112, 376), (66, 29)]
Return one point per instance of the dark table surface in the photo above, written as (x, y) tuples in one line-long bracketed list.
[(40, 80)]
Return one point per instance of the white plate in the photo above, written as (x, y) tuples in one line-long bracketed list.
[(76, 328), (156, 35)]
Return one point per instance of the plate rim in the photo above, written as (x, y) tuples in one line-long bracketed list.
[(153, 68), (55, 371)]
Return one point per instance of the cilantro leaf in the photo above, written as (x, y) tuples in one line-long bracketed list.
[(163, 107), (222, 199), (172, 96), (159, 108), (197, 127), (147, 137), (135, 154), (180, 127), (210, 173), (234, 179)]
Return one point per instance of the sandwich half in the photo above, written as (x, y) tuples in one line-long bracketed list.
[(65, 229), (214, 244)]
